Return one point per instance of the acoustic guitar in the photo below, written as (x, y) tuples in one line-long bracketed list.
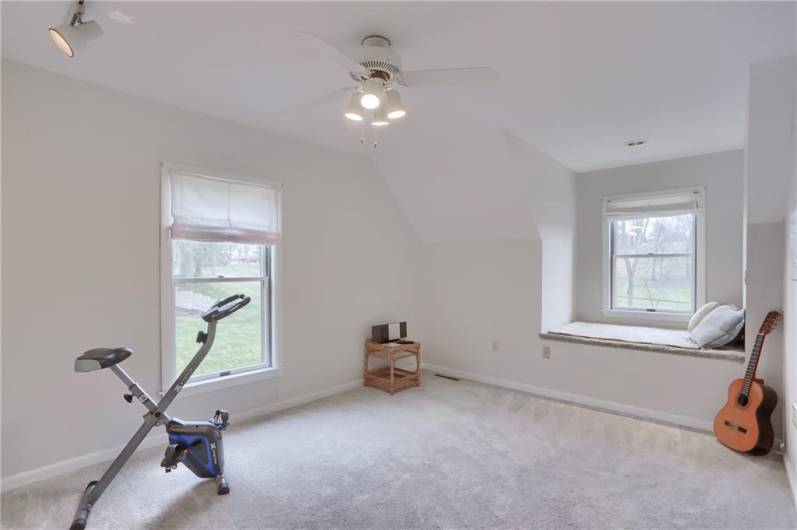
[(745, 422)]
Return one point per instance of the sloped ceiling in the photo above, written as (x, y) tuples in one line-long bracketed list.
[(476, 184), (578, 79)]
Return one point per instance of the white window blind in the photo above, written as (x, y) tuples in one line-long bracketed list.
[(670, 204), (209, 209)]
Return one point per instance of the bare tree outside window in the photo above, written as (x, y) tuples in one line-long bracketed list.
[(653, 263)]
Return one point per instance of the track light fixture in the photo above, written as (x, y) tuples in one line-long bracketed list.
[(76, 34)]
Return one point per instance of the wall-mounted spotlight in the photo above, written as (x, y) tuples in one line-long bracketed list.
[(76, 34)]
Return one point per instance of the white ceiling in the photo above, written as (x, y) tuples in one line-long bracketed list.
[(578, 79)]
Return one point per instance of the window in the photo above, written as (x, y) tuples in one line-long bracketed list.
[(654, 257), (219, 237), (205, 272)]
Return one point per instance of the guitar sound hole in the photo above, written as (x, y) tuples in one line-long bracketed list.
[(742, 400)]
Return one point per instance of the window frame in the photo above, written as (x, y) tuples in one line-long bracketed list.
[(645, 316), (264, 279), (270, 297)]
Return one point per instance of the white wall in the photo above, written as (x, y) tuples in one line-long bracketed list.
[(80, 259), (722, 176), (484, 303), (551, 196), (475, 294), (482, 184), (772, 216), (768, 167), (790, 315), (478, 289)]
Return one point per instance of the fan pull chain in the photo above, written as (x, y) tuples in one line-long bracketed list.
[(368, 136)]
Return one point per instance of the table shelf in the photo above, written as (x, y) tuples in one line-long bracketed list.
[(390, 378)]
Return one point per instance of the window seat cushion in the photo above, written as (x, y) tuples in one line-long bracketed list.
[(639, 337)]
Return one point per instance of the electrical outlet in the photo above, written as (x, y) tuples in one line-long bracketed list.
[(794, 414), (546, 352), (495, 345)]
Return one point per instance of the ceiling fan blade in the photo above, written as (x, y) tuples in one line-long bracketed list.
[(451, 76), (316, 102), (331, 51)]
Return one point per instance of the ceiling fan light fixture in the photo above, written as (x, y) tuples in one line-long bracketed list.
[(370, 101), (393, 108), (76, 34), (372, 94), (380, 118), (354, 111)]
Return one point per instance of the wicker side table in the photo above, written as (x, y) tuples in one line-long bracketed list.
[(390, 378)]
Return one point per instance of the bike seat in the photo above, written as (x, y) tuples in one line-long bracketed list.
[(101, 358)]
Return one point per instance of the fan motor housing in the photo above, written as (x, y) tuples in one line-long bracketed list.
[(378, 57)]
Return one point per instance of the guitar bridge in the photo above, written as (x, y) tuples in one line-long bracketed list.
[(735, 426)]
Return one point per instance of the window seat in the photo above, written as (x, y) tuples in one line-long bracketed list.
[(674, 341)]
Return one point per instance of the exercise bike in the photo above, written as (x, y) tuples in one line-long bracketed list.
[(197, 444)]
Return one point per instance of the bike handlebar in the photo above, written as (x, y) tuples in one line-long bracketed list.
[(225, 308)]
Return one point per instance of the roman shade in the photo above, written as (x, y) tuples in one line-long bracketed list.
[(669, 204), (211, 209)]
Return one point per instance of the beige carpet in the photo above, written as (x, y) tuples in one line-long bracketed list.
[(448, 455)]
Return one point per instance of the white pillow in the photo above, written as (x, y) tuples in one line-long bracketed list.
[(719, 327), (700, 314)]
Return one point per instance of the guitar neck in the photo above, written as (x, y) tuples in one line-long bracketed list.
[(752, 365)]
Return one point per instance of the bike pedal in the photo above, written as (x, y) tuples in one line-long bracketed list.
[(221, 419)]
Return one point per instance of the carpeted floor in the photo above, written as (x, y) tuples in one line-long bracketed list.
[(448, 455)]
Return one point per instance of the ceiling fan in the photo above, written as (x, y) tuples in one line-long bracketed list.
[(377, 69)]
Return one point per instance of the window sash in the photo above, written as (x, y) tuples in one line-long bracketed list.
[(693, 301), (266, 357), (661, 203), (651, 215), (613, 257)]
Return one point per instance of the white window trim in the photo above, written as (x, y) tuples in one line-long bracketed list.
[(647, 317), (167, 321)]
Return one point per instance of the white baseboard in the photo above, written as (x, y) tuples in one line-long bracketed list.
[(73, 464), (295, 402), (590, 402), (790, 475)]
